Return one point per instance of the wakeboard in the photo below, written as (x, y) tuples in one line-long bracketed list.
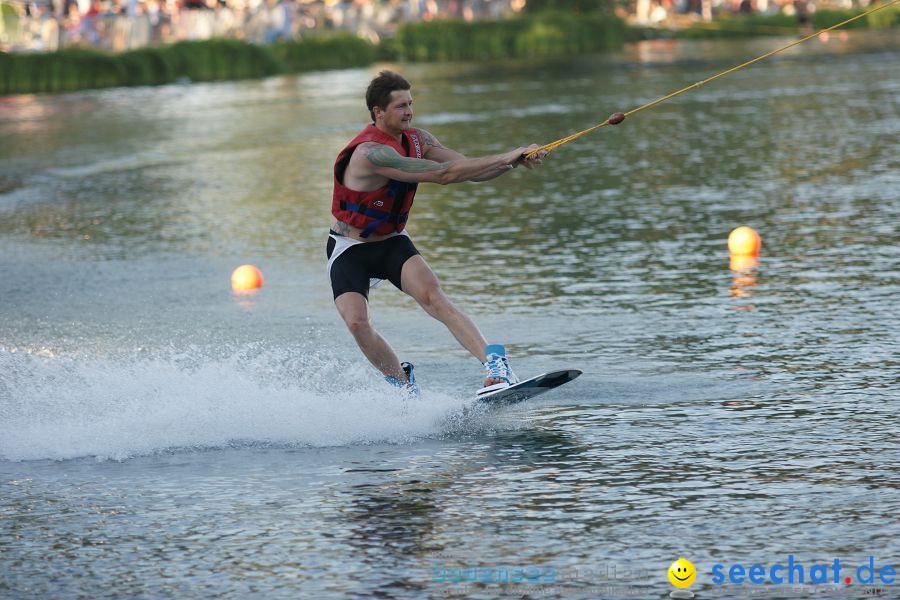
[(529, 388)]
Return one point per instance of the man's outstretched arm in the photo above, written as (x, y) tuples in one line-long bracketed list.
[(436, 151), (387, 162)]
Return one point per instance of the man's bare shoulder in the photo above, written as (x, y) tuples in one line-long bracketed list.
[(378, 155), (368, 149), (361, 158), (372, 158), (361, 174)]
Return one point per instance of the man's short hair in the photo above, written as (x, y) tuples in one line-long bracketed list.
[(379, 90)]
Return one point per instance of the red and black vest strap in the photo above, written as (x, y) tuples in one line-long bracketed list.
[(397, 191)]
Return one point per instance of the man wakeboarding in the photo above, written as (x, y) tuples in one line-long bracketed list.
[(375, 180)]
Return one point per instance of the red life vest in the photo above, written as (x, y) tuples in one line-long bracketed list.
[(380, 211)]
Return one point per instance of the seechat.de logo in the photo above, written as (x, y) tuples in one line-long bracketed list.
[(795, 572)]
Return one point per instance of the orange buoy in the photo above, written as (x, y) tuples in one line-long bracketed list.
[(246, 278), (744, 241)]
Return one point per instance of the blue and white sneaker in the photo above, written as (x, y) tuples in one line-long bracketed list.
[(497, 367), (408, 386)]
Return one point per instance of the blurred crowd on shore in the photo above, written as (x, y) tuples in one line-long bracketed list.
[(683, 12), (46, 25), (117, 25)]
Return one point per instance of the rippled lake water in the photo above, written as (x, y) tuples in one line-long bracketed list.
[(163, 437)]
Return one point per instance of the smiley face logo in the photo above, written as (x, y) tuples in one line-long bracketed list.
[(682, 573)]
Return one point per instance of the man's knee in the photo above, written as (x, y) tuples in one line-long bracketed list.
[(359, 325), (434, 300)]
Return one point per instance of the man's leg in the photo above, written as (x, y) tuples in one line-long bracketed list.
[(354, 309), (420, 282)]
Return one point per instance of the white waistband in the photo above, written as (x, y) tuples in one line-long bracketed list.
[(341, 244)]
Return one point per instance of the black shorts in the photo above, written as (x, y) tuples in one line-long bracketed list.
[(352, 270)]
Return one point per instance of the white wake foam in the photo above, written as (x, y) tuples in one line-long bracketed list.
[(55, 407)]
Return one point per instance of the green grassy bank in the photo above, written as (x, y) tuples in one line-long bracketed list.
[(211, 60), (547, 34), (544, 34)]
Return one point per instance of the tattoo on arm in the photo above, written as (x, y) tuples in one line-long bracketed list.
[(384, 156), (342, 228), (429, 139)]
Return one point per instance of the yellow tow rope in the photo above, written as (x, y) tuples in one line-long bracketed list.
[(619, 117)]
